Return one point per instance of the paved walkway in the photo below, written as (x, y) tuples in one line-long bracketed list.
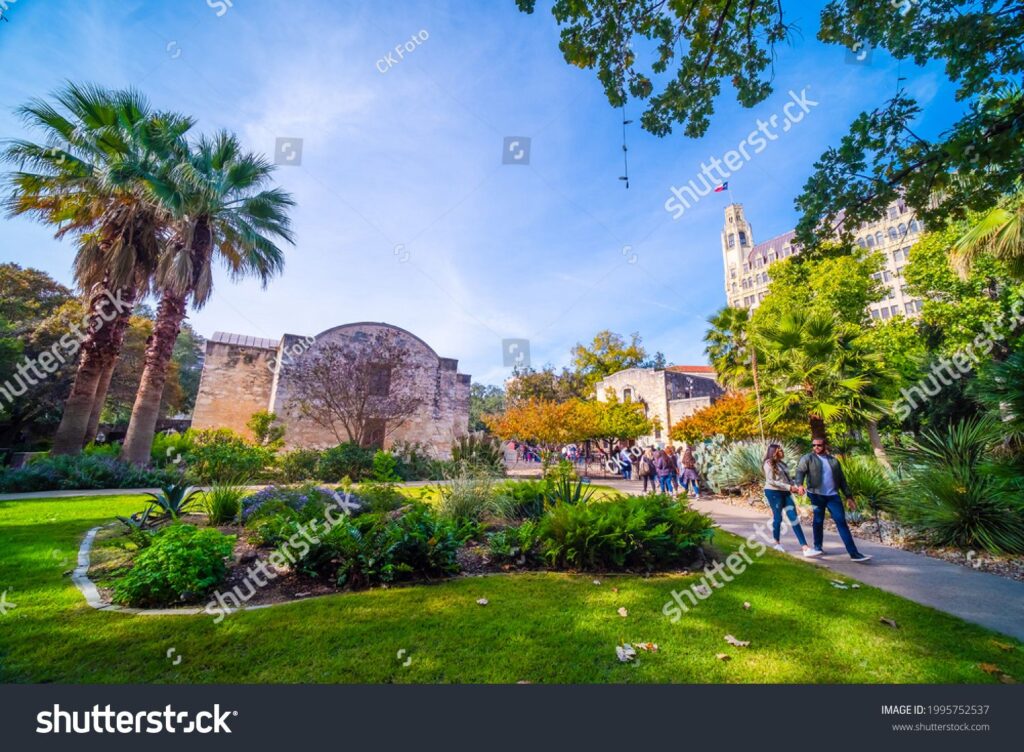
[(986, 599)]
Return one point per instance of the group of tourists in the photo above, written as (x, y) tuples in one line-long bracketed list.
[(664, 470)]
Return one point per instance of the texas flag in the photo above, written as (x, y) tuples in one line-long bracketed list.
[(723, 187)]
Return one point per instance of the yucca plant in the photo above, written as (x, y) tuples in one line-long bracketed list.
[(175, 499), (952, 498), (741, 466)]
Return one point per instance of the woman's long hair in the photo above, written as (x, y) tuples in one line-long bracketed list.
[(770, 454)]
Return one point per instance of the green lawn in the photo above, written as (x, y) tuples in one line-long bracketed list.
[(537, 627)]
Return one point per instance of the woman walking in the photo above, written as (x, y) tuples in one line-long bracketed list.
[(779, 490), (647, 471), (677, 469), (690, 474), (665, 467)]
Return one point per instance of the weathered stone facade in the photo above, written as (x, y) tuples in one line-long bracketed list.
[(243, 375), (668, 395)]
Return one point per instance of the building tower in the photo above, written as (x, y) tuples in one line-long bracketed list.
[(737, 240)]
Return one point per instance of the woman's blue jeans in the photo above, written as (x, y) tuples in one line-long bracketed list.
[(666, 483), (779, 500)]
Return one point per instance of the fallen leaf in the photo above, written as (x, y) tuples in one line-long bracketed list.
[(736, 643), (650, 647), (990, 668), (483, 601), (625, 652), (889, 622), (724, 657), (839, 586), (615, 590), (623, 613), (1007, 679), (855, 586), (1003, 646), (746, 605), (524, 681), (597, 582)]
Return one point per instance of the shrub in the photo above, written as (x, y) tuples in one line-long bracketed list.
[(223, 502), (870, 482), (633, 532), (345, 460), (415, 461), (299, 465), (516, 544), (112, 450), (474, 497), (384, 467), (307, 501), (526, 498), (182, 563), (221, 454), (560, 471), (382, 548), (952, 497), (479, 450), (380, 497), (170, 448), (82, 472)]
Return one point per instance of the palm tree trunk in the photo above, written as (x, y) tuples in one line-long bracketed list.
[(102, 387), (817, 428), (120, 326), (139, 440), (876, 445), (101, 346)]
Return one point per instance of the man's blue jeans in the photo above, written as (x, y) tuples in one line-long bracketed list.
[(834, 505), (779, 500)]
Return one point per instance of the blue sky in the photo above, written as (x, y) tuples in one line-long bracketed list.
[(406, 213)]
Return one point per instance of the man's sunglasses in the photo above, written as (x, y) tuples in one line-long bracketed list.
[(817, 445)]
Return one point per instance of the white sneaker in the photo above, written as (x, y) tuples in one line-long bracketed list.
[(810, 553), (778, 547), (862, 559)]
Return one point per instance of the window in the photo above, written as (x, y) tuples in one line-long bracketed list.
[(893, 212), (879, 238), (743, 238), (732, 240), (900, 254), (903, 230), (861, 243), (875, 314), (746, 266), (886, 314), (914, 226), (899, 271), (627, 395), (379, 381), (886, 276), (892, 234), (895, 310), (871, 242), (909, 307)]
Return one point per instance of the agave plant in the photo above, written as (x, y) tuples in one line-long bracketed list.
[(138, 527), (175, 499), (479, 449), (741, 466), (564, 491)]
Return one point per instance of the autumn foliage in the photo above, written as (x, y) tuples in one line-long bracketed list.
[(735, 417)]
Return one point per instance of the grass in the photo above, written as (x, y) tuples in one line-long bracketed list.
[(537, 627)]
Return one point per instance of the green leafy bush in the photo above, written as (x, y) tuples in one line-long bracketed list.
[(380, 497), (872, 485), (385, 467), (561, 471), (299, 465), (516, 544), (631, 532), (82, 472), (415, 461), (182, 563), (170, 448), (220, 455), (526, 498), (383, 548), (345, 460)]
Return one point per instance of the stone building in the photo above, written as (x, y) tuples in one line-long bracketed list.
[(746, 264), (243, 375), (668, 395)]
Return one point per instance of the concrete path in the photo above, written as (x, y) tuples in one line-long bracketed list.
[(986, 599)]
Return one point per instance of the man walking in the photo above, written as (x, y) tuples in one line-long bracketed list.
[(825, 478)]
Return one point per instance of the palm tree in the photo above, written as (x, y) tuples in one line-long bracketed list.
[(818, 368), (1000, 233), (220, 208), (727, 346), (85, 178)]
